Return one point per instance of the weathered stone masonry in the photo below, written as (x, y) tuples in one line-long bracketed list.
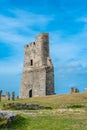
[(38, 71)]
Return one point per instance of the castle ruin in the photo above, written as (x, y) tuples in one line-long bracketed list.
[(38, 71)]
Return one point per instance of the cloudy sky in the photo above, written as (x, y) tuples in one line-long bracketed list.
[(65, 20)]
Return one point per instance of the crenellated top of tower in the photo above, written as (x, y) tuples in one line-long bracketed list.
[(31, 44), (38, 52), (42, 36)]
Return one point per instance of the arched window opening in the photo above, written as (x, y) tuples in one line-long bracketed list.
[(30, 93)]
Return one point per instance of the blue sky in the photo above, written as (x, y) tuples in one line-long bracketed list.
[(66, 21)]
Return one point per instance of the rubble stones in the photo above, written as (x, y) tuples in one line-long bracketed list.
[(24, 106), (9, 115)]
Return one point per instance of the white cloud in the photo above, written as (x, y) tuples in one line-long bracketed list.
[(18, 31), (62, 48), (70, 47), (11, 68), (82, 19), (11, 27), (29, 18)]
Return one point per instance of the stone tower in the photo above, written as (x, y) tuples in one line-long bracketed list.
[(38, 71)]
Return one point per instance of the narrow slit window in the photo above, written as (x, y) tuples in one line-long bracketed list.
[(34, 43), (31, 62)]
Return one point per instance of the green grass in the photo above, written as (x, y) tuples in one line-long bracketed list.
[(69, 112), (55, 101), (3, 122), (50, 122)]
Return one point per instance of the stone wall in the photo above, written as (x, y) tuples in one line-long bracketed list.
[(38, 72), (49, 80), (5, 97)]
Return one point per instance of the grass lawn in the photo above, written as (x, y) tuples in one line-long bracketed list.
[(74, 118), (63, 121)]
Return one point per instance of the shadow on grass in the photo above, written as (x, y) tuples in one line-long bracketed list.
[(19, 123)]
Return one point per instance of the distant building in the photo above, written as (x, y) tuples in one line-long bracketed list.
[(85, 89), (74, 90)]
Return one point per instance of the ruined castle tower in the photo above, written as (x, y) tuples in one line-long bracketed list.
[(38, 71)]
